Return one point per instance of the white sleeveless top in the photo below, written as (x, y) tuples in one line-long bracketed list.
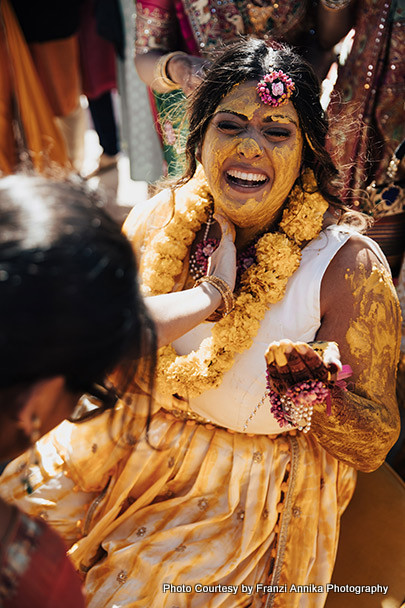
[(296, 317)]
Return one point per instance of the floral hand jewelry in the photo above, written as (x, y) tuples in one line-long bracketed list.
[(275, 88), (296, 406)]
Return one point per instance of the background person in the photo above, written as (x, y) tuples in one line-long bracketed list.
[(99, 23), (28, 134), (51, 32)]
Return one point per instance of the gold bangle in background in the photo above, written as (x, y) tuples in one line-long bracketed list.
[(223, 288), (160, 75)]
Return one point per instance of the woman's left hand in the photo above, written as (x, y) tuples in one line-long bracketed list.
[(292, 362)]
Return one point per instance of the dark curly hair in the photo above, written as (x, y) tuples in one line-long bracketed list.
[(69, 298)]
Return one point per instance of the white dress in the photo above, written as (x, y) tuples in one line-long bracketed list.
[(296, 317)]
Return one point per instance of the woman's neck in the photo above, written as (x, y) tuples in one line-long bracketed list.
[(245, 235)]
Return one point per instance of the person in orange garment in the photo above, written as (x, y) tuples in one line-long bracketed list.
[(28, 133)]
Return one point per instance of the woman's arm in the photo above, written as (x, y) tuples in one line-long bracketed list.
[(176, 313), (182, 70), (360, 312), (334, 23), (156, 34), (158, 46)]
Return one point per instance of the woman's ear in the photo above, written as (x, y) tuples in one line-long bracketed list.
[(198, 153), (38, 408), (48, 401)]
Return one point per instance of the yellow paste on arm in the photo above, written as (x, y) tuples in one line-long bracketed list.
[(364, 423)]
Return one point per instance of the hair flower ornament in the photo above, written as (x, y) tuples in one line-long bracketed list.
[(275, 88)]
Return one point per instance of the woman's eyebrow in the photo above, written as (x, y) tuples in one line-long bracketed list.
[(225, 111), (282, 117), (270, 118)]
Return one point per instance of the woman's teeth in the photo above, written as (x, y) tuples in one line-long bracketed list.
[(243, 178)]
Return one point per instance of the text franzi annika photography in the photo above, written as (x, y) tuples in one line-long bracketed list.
[(262, 588)]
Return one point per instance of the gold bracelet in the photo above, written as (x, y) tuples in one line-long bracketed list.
[(223, 288), (160, 72)]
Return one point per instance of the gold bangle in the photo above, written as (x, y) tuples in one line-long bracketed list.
[(223, 288), (160, 72)]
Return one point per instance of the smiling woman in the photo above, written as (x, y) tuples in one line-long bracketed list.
[(251, 156), (258, 434)]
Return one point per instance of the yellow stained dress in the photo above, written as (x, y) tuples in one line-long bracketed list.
[(203, 514)]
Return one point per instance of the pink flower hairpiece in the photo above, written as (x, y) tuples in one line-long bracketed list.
[(275, 88)]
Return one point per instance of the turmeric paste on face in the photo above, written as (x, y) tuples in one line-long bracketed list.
[(250, 146)]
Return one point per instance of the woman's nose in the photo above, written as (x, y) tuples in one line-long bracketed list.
[(249, 148)]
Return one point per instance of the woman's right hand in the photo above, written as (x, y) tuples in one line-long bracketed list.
[(222, 262), (177, 313)]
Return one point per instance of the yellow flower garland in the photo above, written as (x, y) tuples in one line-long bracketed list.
[(278, 256)]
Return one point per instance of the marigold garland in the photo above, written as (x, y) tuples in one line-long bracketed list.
[(278, 255)]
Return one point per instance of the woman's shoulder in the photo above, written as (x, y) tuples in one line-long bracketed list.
[(339, 246), (356, 262), (356, 250), (147, 217), (153, 211)]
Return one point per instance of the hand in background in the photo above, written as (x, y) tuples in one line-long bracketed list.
[(185, 71)]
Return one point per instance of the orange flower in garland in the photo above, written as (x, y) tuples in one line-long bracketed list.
[(163, 259)]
